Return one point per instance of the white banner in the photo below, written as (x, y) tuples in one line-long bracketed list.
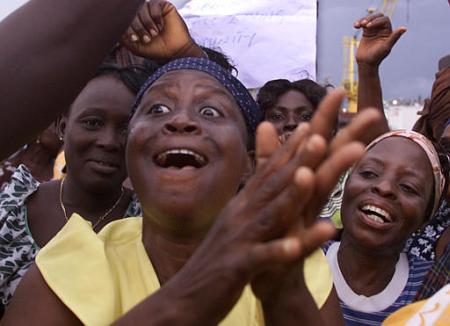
[(266, 39)]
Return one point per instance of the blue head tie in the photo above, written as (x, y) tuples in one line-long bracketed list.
[(247, 104)]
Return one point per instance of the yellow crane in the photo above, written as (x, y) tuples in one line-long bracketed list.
[(349, 79)]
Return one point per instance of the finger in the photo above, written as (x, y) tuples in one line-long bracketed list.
[(138, 31), (130, 36), (147, 21), (268, 161), (314, 237), (280, 213), (370, 18), (157, 9), (266, 142), (363, 21), (278, 251), (327, 175), (311, 153), (325, 117), (395, 36), (379, 22), (359, 129)]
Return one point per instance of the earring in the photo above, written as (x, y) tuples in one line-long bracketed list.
[(60, 138)]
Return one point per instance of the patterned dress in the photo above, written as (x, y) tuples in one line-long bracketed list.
[(422, 244), (17, 247)]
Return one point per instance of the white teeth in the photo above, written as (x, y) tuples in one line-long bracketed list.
[(375, 218), (379, 211)]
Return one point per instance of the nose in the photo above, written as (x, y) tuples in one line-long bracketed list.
[(384, 188), (183, 124), (110, 139), (290, 124)]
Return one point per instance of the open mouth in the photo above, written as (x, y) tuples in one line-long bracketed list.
[(376, 214), (180, 158)]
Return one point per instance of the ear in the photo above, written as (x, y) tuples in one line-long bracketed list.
[(61, 124)]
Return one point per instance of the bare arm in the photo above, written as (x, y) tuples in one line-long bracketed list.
[(34, 303), (50, 49), (377, 42)]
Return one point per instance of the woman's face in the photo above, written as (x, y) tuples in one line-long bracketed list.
[(186, 151), (95, 134), (291, 109), (387, 195)]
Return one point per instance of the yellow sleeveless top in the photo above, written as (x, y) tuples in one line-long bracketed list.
[(100, 277)]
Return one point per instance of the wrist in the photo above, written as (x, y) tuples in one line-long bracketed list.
[(190, 50), (368, 68)]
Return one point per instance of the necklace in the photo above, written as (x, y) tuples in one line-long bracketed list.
[(101, 218)]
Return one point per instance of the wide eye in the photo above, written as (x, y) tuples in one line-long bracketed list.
[(92, 123), (210, 112), (158, 109)]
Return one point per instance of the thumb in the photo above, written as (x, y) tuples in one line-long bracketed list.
[(395, 36)]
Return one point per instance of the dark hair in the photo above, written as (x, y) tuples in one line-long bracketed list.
[(268, 94), (221, 59), (133, 77)]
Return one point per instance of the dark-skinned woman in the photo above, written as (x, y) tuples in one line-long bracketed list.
[(386, 198)]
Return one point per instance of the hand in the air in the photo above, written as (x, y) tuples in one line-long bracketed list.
[(377, 40), (159, 33)]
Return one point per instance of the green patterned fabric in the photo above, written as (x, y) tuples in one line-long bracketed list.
[(17, 246)]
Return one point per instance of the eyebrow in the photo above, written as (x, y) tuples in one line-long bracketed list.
[(304, 108), (407, 171)]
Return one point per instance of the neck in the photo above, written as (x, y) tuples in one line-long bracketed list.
[(367, 272), (90, 205), (167, 252)]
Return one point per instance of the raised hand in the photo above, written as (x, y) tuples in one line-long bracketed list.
[(377, 40), (159, 33)]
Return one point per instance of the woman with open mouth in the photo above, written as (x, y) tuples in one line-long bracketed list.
[(392, 192), (193, 256)]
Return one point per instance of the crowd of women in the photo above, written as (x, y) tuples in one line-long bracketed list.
[(184, 201)]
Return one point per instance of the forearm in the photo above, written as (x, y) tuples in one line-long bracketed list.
[(292, 305), (50, 50), (370, 92)]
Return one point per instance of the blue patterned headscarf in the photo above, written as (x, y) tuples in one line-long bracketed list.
[(247, 104)]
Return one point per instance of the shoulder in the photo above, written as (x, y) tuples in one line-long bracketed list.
[(49, 311), (16, 192)]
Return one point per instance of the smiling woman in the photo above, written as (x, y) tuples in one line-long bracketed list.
[(94, 134), (386, 198)]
